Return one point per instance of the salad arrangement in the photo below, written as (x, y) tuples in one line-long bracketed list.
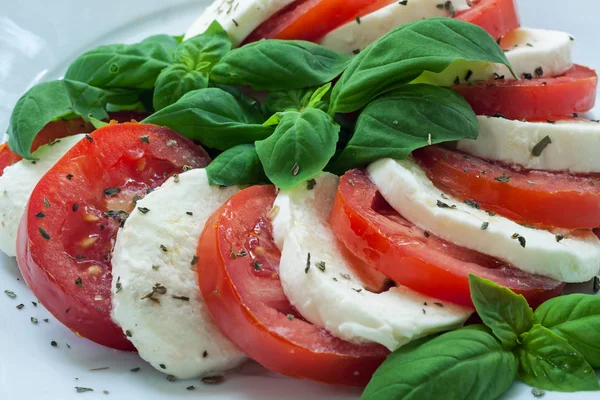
[(372, 199)]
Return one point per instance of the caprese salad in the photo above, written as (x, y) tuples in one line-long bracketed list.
[(381, 171)]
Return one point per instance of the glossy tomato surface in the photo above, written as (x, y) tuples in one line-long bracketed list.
[(378, 235), (68, 230), (541, 198), (497, 17), (238, 272), (572, 92)]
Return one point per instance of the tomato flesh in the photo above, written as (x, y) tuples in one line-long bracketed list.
[(245, 298), (66, 235), (531, 197), (497, 17), (374, 232), (572, 92)]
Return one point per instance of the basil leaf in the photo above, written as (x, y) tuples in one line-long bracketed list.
[(175, 81), (239, 165), (548, 361), (201, 52), (288, 100), (404, 53), (575, 317), (399, 122), (212, 116), (468, 363), (280, 65), (507, 314), (250, 104), (300, 147), (46, 102), (318, 95), (134, 66)]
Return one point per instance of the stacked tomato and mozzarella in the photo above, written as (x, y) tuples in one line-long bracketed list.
[(121, 237)]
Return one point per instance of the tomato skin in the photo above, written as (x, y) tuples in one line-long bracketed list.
[(572, 92), (7, 157), (251, 309), (379, 236), (71, 277), (497, 17), (556, 199)]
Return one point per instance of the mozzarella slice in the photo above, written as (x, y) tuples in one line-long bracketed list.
[(354, 36), (573, 148), (159, 247), (408, 190), (331, 294), (239, 18), (17, 183)]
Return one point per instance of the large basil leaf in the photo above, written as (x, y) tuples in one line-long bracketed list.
[(134, 66), (300, 147), (239, 165), (548, 361), (507, 314), (409, 118), (575, 317), (404, 53), (468, 363), (250, 104), (46, 102), (214, 117), (280, 65), (175, 81)]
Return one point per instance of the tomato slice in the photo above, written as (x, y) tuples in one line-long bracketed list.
[(497, 17), (308, 19), (572, 92), (542, 198), (374, 232), (68, 229), (238, 271)]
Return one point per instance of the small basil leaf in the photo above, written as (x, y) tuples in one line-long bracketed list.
[(288, 100), (239, 165), (507, 314), (201, 52), (212, 116), (280, 65), (275, 119), (319, 95), (175, 81), (575, 317), (46, 102), (404, 53), (548, 361), (300, 147), (134, 66), (409, 118), (250, 104), (468, 363)]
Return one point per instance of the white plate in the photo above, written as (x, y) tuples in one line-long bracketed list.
[(37, 41)]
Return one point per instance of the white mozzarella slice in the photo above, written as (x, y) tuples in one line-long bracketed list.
[(354, 36), (18, 181), (408, 190), (573, 148), (159, 247), (331, 294), (239, 18)]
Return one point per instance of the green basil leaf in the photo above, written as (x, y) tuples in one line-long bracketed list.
[(280, 65), (300, 147), (134, 66), (468, 363), (201, 52), (175, 81), (319, 96), (250, 104), (288, 100), (276, 118), (404, 53), (46, 102), (507, 314), (409, 118), (214, 117), (239, 165), (575, 317), (548, 361)]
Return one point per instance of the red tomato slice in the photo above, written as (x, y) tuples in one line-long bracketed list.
[(69, 227), (572, 92), (308, 19), (244, 295), (7, 157), (382, 238), (543, 198), (497, 17)]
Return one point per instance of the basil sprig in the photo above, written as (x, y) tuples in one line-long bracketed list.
[(406, 52), (239, 165), (554, 348)]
